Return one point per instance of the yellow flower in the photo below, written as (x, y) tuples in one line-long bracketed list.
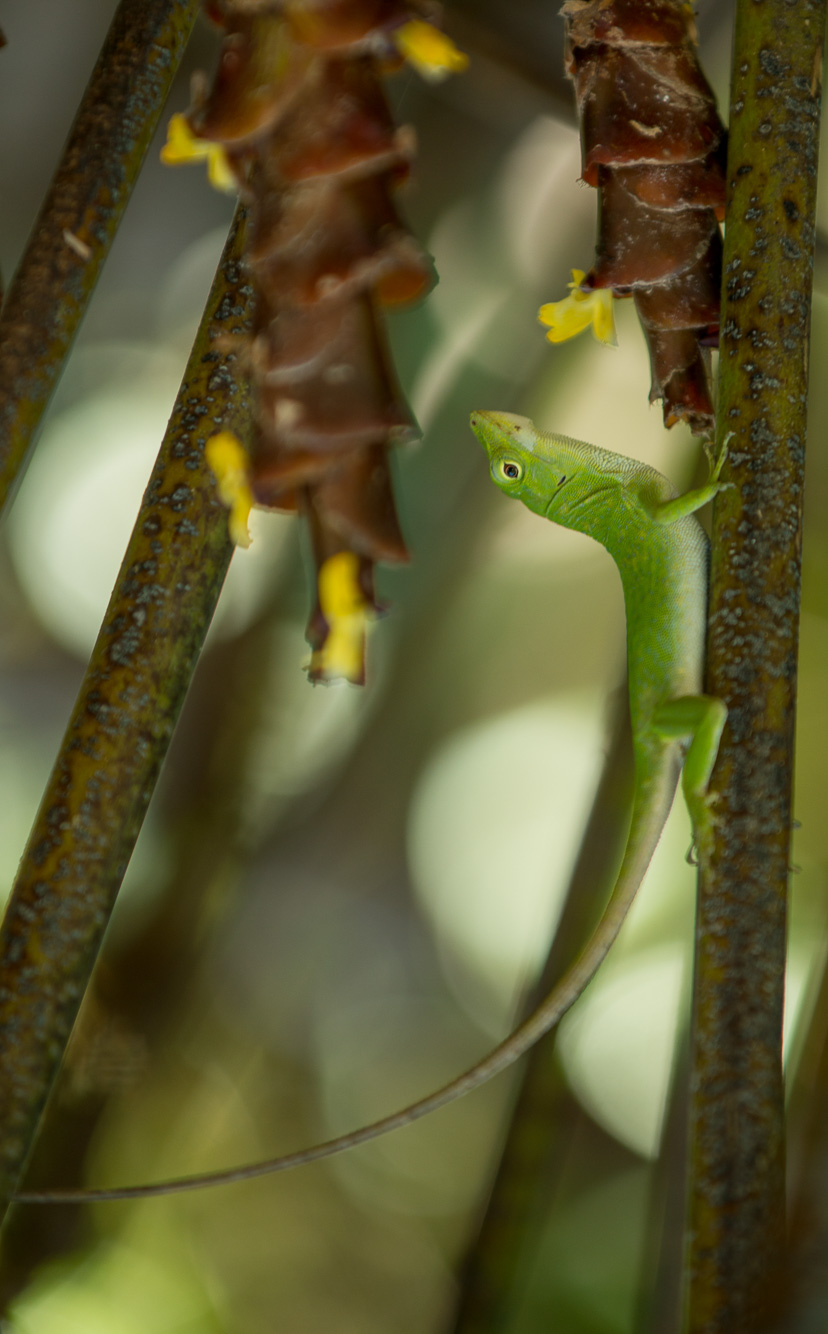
[(578, 311), (430, 51), (345, 609), (184, 146), (227, 459)]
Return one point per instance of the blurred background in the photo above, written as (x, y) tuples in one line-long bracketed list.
[(341, 895)]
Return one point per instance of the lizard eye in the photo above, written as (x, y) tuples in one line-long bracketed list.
[(510, 470)]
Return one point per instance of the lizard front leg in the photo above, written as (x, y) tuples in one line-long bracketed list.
[(670, 510)]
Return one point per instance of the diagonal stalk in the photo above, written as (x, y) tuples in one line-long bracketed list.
[(803, 1309), (542, 1124), (71, 238), (737, 1205), (121, 726)]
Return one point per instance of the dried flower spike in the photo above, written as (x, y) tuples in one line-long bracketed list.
[(654, 147), (297, 116)]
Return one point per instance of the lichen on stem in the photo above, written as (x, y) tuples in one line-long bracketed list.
[(737, 1202), (72, 236)]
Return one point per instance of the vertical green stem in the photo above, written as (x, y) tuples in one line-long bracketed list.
[(737, 1203), (121, 726), (71, 238)]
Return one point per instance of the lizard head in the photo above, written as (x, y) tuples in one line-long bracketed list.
[(517, 461)]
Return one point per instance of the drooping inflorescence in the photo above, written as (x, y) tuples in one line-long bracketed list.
[(297, 120), (654, 146)]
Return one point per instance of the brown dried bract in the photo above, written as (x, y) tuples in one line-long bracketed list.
[(653, 145), (299, 107)]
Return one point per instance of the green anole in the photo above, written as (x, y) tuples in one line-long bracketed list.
[(661, 552)]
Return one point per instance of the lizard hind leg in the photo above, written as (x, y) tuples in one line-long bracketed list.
[(701, 719)]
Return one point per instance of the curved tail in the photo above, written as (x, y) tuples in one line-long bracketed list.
[(653, 798)]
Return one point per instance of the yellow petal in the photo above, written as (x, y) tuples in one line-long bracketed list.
[(429, 50), (219, 172), (183, 146), (603, 319), (565, 319), (578, 311), (345, 609), (227, 459)]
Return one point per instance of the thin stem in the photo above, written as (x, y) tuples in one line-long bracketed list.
[(118, 735), (805, 1296), (545, 1115), (71, 238), (737, 1203)]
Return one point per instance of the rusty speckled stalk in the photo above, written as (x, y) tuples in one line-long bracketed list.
[(737, 1203), (120, 729), (51, 290)]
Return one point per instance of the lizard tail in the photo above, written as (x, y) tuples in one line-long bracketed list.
[(651, 806)]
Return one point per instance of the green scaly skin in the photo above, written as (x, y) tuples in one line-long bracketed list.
[(661, 552)]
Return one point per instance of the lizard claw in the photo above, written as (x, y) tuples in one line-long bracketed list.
[(705, 820), (717, 460)]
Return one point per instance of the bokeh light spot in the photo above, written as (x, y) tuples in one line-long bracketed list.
[(493, 829)]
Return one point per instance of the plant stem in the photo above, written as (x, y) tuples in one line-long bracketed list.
[(121, 726), (737, 1203), (545, 1114), (56, 277)]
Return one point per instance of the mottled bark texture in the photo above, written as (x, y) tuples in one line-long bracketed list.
[(653, 144), (121, 726), (71, 238), (737, 1202)]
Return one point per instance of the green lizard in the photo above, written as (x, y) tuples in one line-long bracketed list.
[(661, 552)]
